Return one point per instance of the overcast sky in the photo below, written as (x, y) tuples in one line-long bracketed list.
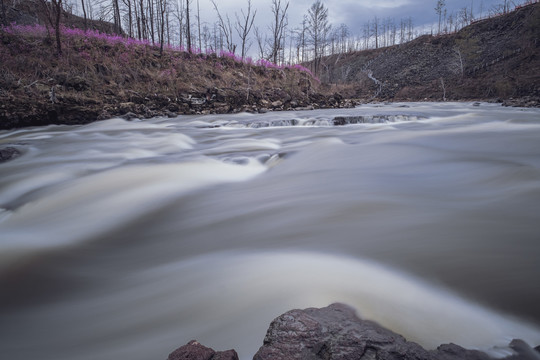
[(353, 13)]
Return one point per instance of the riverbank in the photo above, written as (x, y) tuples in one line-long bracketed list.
[(100, 76)]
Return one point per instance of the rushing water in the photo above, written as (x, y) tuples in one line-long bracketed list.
[(128, 239)]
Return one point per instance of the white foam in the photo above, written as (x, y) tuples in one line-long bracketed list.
[(110, 199)]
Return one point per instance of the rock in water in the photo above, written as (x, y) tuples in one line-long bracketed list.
[(336, 333), (8, 153), (193, 350), (523, 351)]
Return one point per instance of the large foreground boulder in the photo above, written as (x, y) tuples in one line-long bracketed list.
[(336, 333)]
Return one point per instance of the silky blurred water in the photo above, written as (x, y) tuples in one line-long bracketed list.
[(128, 239)]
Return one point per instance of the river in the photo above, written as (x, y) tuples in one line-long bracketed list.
[(127, 239)]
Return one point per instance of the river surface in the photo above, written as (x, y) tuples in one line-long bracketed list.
[(128, 239)]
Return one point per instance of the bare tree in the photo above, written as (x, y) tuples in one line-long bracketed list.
[(375, 31), (243, 26), (260, 42), (277, 28), (179, 14), (317, 28), (439, 10), (53, 12), (367, 34), (302, 39), (188, 27), (117, 19), (162, 9), (168, 29), (464, 17), (343, 35), (207, 37), (410, 29), (402, 30), (143, 21), (226, 29), (129, 15), (506, 6), (150, 18), (199, 24), (457, 63), (443, 88), (84, 14)]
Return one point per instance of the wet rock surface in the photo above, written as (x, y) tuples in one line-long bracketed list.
[(193, 350), (335, 332)]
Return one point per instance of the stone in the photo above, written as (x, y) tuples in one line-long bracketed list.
[(129, 116), (126, 107), (337, 333), (170, 114), (277, 104), (453, 352), (8, 153), (523, 351), (104, 115), (78, 83), (193, 350)]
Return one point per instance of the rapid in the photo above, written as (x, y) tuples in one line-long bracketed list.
[(127, 239)]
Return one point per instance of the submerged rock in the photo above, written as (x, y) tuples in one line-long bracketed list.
[(523, 351), (8, 153), (193, 350)]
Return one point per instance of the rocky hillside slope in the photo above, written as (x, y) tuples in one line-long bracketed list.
[(496, 58)]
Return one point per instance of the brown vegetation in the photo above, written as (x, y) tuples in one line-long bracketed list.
[(99, 77)]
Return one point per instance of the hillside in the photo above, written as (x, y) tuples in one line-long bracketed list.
[(99, 76), (496, 58), (29, 12)]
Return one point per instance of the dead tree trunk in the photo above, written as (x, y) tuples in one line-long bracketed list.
[(85, 17), (53, 11), (188, 28)]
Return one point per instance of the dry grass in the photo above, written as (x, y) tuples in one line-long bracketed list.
[(100, 71)]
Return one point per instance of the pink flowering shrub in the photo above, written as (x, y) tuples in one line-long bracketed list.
[(84, 39), (85, 55)]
